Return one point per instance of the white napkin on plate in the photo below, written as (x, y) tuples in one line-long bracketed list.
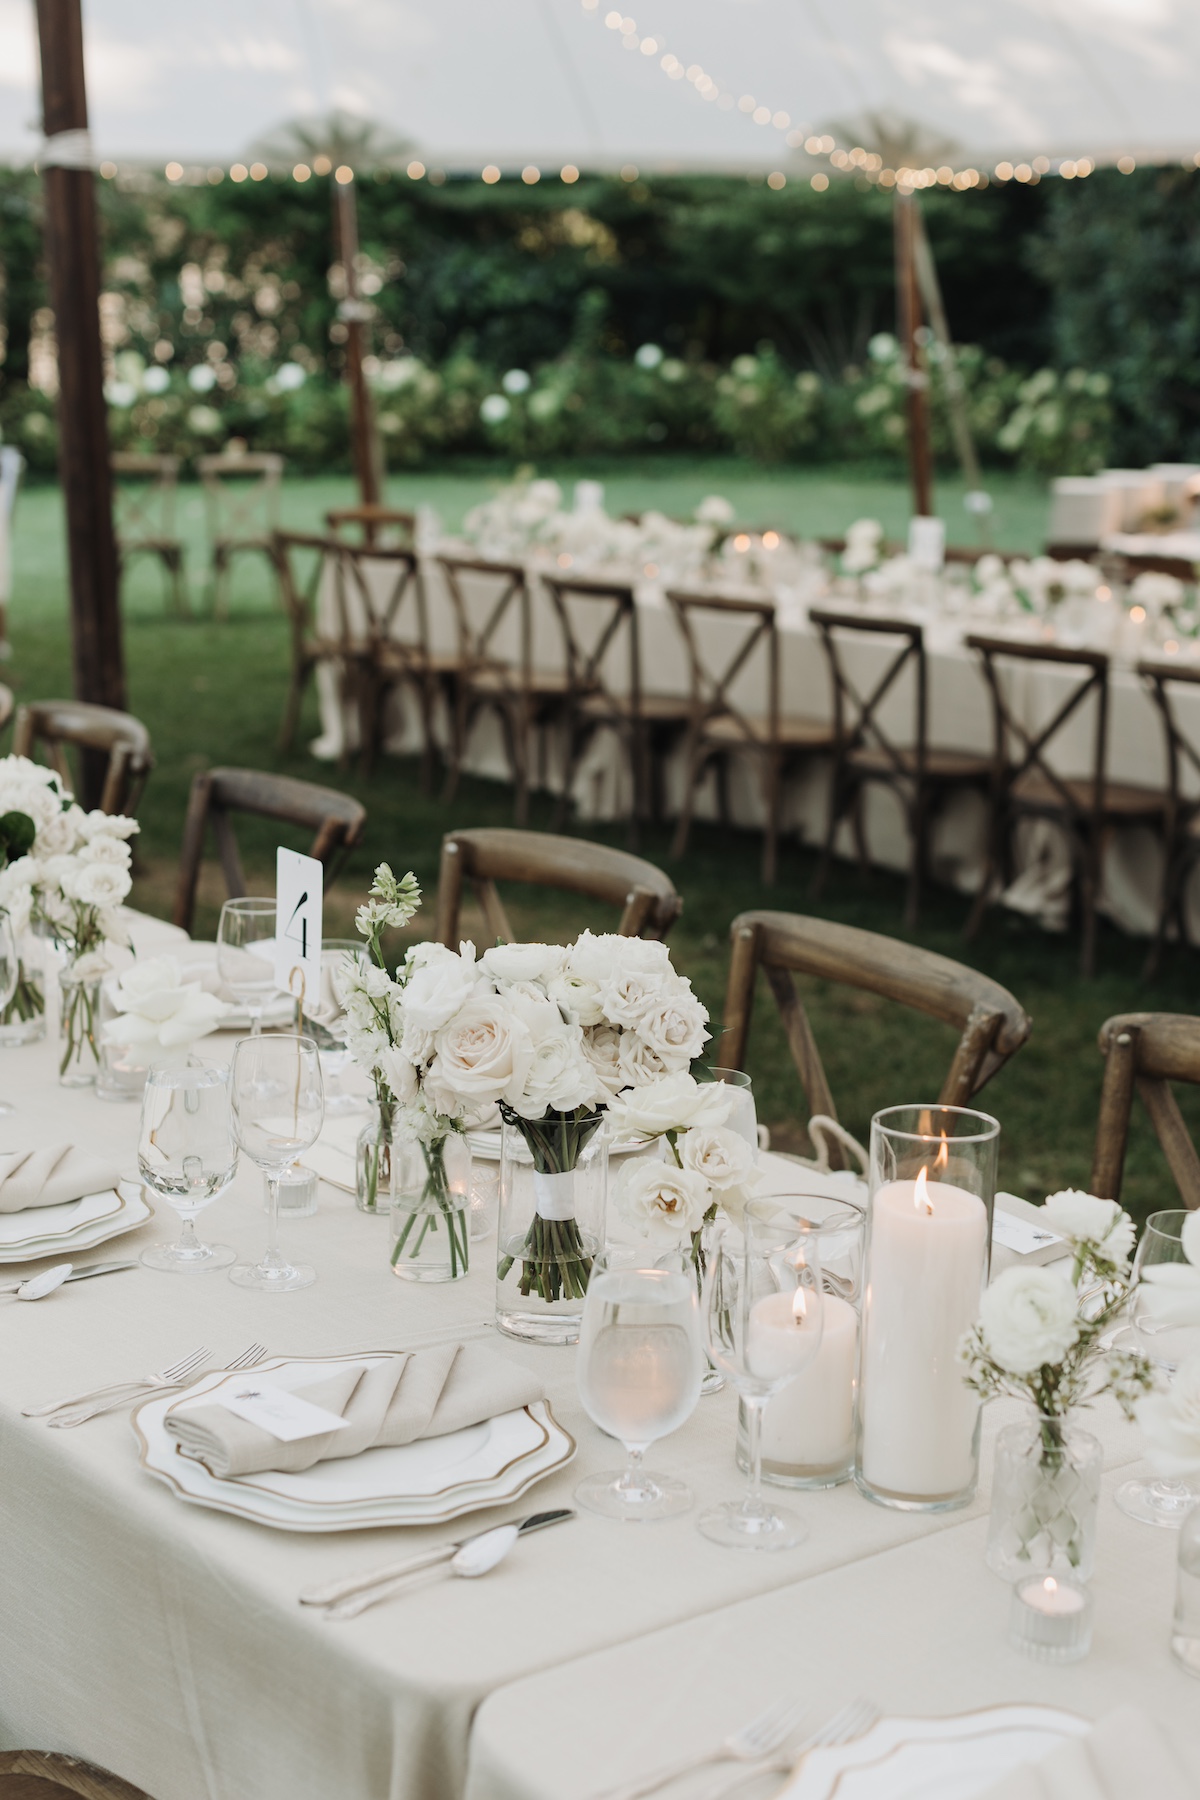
[(51, 1176), (1126, 1757), (417, 1394)]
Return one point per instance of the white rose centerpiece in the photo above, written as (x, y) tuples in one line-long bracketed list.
[(159, 1014)]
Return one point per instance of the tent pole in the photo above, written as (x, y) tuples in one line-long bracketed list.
[(73, 255), (355, 314), (908, 319)]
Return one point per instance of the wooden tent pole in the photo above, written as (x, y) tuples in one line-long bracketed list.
[(355, 313), (73, 255), (908, 319)]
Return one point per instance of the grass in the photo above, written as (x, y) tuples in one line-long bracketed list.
[(214, 693)]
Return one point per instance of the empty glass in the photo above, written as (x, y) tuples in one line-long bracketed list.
[(326, 1023), (278, 1110), (763, 1313), (1166, 1327), (639, 1371), (246, 955), (187, 1156)]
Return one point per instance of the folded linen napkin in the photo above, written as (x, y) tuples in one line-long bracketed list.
[(1126, 1757), (50, 1176), (417, 1394)]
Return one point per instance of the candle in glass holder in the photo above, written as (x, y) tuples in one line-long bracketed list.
[(808, 1427), (1051, 1619)]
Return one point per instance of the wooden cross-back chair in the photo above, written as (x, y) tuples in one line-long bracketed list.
[(600, 633), (337, 820), (868, 752), (144, 506), (1182, 819), (1025, 784), (45, 1774), (1145, 1053), (377, 524), (647, 897), (53, 725), (742, 649), (303, 564), (241, 501), (993, 1024)]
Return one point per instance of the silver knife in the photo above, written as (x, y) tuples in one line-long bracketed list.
[(80, 1274), (427, 1559)]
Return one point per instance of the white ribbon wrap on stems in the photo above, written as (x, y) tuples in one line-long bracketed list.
[(67, 150), (554, 1195)]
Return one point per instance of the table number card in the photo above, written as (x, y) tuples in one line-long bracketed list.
[(299, 882)]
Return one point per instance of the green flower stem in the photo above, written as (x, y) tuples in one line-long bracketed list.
[(79, 1025), (436, 1201), (28, 1001), (556, 1264)]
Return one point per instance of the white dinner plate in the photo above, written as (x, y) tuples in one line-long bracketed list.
[(934, 1759), (79, 1225), (426, 1483)]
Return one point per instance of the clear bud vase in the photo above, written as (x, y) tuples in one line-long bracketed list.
[(373, 1160), (553, 1200), (431, 1209), (79, 1026), (929, 1228), (1045, 1500)]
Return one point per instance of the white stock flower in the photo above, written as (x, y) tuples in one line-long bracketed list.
[(523, 962), (483, 1054), (437, 988), (675, 1027), (1171, 1422), (1082, 1218), (724, 1159), (659, 1200), (1028, 1318), (676, 1102)]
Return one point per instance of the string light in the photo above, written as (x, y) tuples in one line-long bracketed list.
[(344, 175), (569, 172), (301, 172), (415, 171)]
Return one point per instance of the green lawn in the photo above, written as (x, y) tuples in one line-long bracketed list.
[(214, 693)]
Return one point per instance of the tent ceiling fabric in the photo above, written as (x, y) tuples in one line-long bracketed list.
[(470, 82)]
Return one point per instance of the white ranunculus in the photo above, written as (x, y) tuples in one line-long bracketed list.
[(659, 1200), (724, 1159), (675, 1027), (1171, 1422), (484, 1053), (675, 1102), (1029, 1318), (436, 990), (576, 999), (523, 962), (599, 958), (1081, 1217), (96, 884), (560, 1077), (602, 1048)]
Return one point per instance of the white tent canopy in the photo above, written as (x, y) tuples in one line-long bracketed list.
[(547, 82)]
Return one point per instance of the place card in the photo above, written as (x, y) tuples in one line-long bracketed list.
[(1020, 1235), (299, 883), (285, 1416)]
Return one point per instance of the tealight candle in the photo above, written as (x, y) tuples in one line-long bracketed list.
[(1051, 1619)]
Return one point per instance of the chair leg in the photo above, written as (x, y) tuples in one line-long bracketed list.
[(837, 809), (770, 859), (1089, 889), (292, 705), (918, 825), (693, 774), (457, 748)]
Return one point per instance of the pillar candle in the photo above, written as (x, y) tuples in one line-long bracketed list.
[(809, 1424), (925, 1264)]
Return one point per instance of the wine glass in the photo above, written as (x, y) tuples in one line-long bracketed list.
[(639, 1371), (743, 1119), (763, 1314), (1166, 1328), (10, 970), (187, 1156), (246, 955), (325, 1021), (278, 1110)]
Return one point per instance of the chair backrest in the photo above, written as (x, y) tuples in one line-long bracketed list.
[(1020, 749), (1183, 751), (53, 724), (144, 497), (302, 564), (537, 858), (747, 644), (992, 1023), (377, 524), (241, 495), (597, 618), (1147, 1052), (336, 819), (856, 713), (483, 607), (372, 593)]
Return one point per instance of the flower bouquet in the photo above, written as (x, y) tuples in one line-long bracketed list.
[(1040, 1338), (156, 1018)]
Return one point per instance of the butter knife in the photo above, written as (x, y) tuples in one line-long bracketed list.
[(335, 1591)]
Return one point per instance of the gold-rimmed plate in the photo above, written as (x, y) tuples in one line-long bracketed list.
[(955, 1758), (77, 1225)]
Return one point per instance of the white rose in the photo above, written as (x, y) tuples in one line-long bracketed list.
[(435, 991), (483, 1053), (1079, 1216), (106, 850), (675, 1102), (560, 1077), (1171, 1422), (577, 999), (627, 997), (523, 962), (96, 884), (659, 1200), (640, 1063), (98, 824), (602, 1048), (56, 835), (674, 1027), (148, 986), (724, 1159), (597, 958), (1029, 1318)]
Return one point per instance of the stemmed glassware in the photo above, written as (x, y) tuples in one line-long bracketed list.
[(326, 1022), (10, 971), (1166, 1327), (278, 1110), (763, 1313), (187, 1156), (246, 954), (639, 1371)]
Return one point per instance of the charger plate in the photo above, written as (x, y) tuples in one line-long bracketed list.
[(934, 1759), (425, 1483), (78, 1225)]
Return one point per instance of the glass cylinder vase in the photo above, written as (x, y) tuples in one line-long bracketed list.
[(23, 1020), (373, 1160), (929, 1227), (1045, 1500), (553, 1200), (1185, 1629), (431, 1209), (79, 1026)]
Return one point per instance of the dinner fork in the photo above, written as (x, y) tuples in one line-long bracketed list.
[(169, 1377), (853, 1721), (754, 1742), (80, 1414)]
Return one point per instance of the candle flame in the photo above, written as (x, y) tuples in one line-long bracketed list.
[(943, 1155), (921, 1199), (799, 1306), (1050, 1586)]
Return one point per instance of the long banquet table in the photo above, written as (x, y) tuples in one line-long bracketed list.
[(165, 1642)]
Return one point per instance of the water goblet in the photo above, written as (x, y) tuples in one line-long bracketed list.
[(762, 1310), (246, 954), (1166, 1327), (278, 1110), (639, 1371), (187, 1156)]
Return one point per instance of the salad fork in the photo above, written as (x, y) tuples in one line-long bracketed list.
[(853, 1721), (755, 1742), (171, 1376), (80, 1414)]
